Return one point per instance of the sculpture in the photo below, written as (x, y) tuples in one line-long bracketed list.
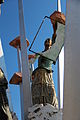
[(5, 113), (43, 90)]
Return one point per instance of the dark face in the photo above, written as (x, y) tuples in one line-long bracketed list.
[(47, 46)]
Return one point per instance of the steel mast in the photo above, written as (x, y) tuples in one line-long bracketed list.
[(25, 85), (60, 68), (58, 9)]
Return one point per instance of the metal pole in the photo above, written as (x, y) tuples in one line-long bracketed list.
[(0, 9), (58, 9), (19, 64), (21, 90), (60, 69), (24, 59), (59, 5), (72, 62)]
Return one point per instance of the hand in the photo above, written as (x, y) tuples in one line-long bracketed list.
[(57, 17)]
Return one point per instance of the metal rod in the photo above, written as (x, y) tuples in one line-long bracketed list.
[(0, 9), (21, 93), (59, 5), (37, 33), (58, 9)]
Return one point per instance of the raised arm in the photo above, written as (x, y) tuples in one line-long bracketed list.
[(56, 17)]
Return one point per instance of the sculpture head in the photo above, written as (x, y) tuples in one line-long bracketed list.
[(48, 44)]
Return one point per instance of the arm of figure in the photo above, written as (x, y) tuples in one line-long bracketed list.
[(54, 51), (32, 58), (56, 17)]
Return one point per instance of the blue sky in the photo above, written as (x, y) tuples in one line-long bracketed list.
[(34, 12)]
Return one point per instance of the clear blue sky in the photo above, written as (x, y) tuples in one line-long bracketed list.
[(34, 12)]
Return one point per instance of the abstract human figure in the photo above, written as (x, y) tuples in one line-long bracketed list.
[(43, 90), (5, 113)]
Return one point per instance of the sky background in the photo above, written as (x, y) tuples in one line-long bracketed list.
[(34, 12)]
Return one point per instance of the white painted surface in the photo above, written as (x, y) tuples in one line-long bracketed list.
[(61, 69), (47, 112), (21, 86), (1, 50), (0, 9), (72, 62), (58, 82), (59, 5), (25, 70)]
